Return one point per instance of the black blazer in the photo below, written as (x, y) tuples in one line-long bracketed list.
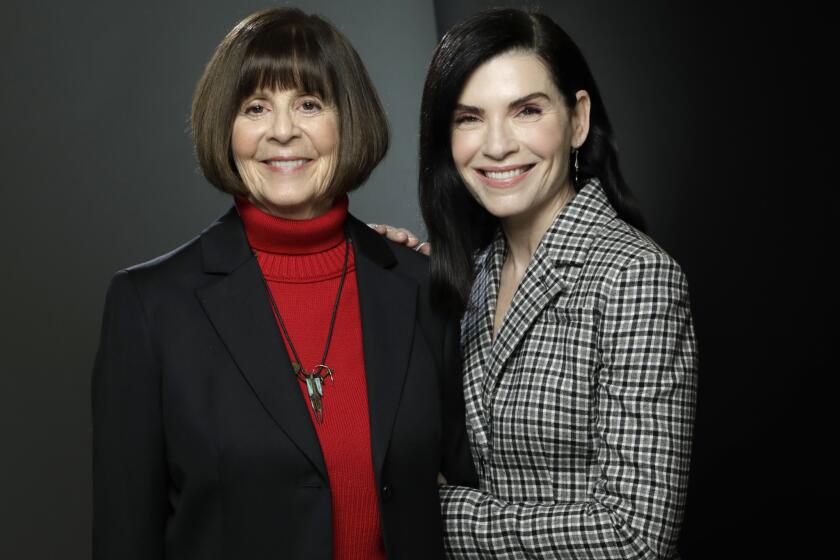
[(203, 445)]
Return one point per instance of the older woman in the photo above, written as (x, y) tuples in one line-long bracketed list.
[(279, 387), (579, 354)]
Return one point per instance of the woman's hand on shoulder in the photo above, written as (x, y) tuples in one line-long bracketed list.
[(403, 237)]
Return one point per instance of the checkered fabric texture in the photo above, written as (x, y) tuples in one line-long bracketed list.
[(580, 412)]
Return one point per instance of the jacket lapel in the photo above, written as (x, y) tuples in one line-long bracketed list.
[(536, 291), (553, 271), (238, 307), (387, 303)]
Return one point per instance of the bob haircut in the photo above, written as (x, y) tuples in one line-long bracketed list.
[(285, 48), (458, 226)]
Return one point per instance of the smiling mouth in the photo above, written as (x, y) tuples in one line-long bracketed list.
[(506, 174), (286, 164)]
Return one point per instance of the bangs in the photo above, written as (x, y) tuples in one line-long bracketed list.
[(286, 57)]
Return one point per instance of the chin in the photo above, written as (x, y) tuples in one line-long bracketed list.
[(503, 209)]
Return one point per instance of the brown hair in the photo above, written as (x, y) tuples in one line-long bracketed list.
[(284, 48)]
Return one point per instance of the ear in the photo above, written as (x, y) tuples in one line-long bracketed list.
[(580, 118)]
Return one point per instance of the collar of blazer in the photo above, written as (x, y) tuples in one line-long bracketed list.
[(236, 304), (552, 271)]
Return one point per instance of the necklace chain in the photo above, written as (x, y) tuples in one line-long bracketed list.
[(313, 379)]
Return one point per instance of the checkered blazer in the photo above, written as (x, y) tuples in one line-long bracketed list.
[(580, 412)]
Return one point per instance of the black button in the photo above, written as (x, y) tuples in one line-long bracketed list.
[(387, 493)]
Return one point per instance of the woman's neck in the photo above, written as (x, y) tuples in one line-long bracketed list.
[(305, 211), (524, 232), (271, 234)]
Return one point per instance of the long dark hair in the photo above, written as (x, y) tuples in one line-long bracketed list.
[(458, 226)]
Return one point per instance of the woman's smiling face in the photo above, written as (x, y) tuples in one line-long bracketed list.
[(512, 137), (285, 146)]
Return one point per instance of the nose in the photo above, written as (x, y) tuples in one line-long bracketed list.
[(499, 142), (283, 128)]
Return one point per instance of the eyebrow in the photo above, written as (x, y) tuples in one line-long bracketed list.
[(512, 104), (530, 97)]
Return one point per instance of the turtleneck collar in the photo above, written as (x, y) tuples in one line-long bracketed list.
[(281, 236)]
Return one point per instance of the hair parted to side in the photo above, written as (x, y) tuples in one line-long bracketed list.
[(458, 226), (285, 48)]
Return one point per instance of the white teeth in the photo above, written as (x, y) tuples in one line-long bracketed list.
[(498, 175), (287, 163)]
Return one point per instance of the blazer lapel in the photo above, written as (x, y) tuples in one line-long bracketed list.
[(387, 303), (537, 290), (553, 271), (238, 307)]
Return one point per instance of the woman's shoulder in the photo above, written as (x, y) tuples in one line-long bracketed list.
[(410, 262), (397, 259), (181, 258), (395, 256), (620, 250), (188, 265), (620, 244)]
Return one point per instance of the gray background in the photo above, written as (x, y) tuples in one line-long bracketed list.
[(717, 110)]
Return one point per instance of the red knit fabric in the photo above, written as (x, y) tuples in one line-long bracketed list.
[(302, 262)]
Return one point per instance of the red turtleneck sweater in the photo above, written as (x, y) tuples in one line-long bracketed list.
[(302, 262)]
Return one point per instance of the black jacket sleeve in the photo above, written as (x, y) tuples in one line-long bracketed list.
[(129, 473)]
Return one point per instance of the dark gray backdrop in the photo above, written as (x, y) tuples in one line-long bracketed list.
[(716, 109)]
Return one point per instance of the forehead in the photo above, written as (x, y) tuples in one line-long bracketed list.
[(507, 77)]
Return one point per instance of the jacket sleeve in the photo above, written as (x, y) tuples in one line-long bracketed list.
[(646, 383), (457, 463), (129, 473)]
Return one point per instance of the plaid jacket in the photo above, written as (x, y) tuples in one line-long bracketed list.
[(580, 412)]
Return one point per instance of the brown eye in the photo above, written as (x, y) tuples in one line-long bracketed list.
[(254, 110), (530, 111), (466, 119), (310, 106)]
